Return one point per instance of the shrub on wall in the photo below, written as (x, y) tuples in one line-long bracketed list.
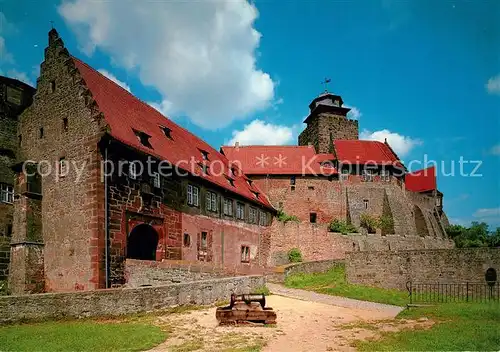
[(284, 217), (386, 224), (368, 222), (294, 255), (342, 226)]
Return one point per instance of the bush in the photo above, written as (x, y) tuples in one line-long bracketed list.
[(368, 222), (342, 226), (294, 255), (386, 224), (283, 217)]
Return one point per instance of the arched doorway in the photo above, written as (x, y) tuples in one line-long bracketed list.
[(420, 223), (142, 242)]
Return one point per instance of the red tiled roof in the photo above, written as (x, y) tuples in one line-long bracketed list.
[(363, 152), (125, 113), (279, 160), (421, 180)]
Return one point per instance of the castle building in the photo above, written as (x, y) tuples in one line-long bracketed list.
[(102, 178), (15, 96)]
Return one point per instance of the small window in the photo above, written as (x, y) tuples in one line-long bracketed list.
[(204, 244), (292, 181), (240, 211), (204, 154), (249, 182), (345, 175), (245, 254), (231, 181), (262, 218), (367, 175), (187, 240), (204, 168), (228, 207), (19, 140), (385, 176), (52, 86), (252, 215), (193, 194), (133, 171), (312, 218), (166, 131), (41, 135), (256, 194), (292, 188), (365, 202), (65, 124), (156, 180), (143, 138), (211, 201), (439, 201), (9, 230), (63, 167), (311, 188), (6, 193)]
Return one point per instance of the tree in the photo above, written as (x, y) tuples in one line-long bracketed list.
[(477, 235)]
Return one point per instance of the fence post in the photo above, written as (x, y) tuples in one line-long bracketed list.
[(467, 291), (409, 288)]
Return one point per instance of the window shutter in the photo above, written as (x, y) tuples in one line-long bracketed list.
[(209, 246)]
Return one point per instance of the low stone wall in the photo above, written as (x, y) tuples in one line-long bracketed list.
[(320, 266), (140, 273), (115, 302), (392, 269)]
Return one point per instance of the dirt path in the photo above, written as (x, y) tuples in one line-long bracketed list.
[(301, 326)]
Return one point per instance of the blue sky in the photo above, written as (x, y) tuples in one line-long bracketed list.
[(424, 74)]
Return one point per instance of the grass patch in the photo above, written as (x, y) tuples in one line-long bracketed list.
[(188, 346), (262, 290), (80, 336), (459, 327), (333, 283)]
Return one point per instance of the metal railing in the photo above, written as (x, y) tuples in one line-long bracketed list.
[(452, 292)]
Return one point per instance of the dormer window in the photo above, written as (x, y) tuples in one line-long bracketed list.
[(231, 181), (204, 154), (143, 138), (166, 131), (249, 182), (204, 168), (256, 194)]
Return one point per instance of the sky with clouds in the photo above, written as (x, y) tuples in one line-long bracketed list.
[(423, 74)]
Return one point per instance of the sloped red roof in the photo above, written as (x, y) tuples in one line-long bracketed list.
[(421, 180), (279, 160), (364, 152), (125, 113)]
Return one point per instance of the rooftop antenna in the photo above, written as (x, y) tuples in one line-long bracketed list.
[(325, 82)]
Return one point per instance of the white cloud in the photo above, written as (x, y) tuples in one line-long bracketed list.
[(354, 114), (22, 76), (5, 28), (493, 85), (487, 213), (164, 107), (402, 145), (202, 59), (259, 132), (114, 79), (495, 150)]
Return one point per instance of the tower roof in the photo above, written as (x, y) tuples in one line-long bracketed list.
[(327, 102)]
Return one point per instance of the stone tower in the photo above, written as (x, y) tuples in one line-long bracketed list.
[(15, 96), (327, 121)]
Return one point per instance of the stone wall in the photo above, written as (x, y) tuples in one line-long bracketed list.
[(317, 243), (392, 269), (152, 273), (115, 302), (320, 266)]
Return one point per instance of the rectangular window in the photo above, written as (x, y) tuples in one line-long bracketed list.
[(365, 202), (367, 176), (6, 193), (262, 218), (63, 167), (245, 254), (203, 244), (211, 201), (252, 218), (240, 211), (228, 207), (65, 124), (345, 175), (292, 181), (193, 193), (187, 240), (132, 171), (41, 132), (385, 176), (156, 180), (438, 201), (312, 217), (311, 188)]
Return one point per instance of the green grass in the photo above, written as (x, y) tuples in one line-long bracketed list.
[(80, 336), (333, 283), (459, 327)]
